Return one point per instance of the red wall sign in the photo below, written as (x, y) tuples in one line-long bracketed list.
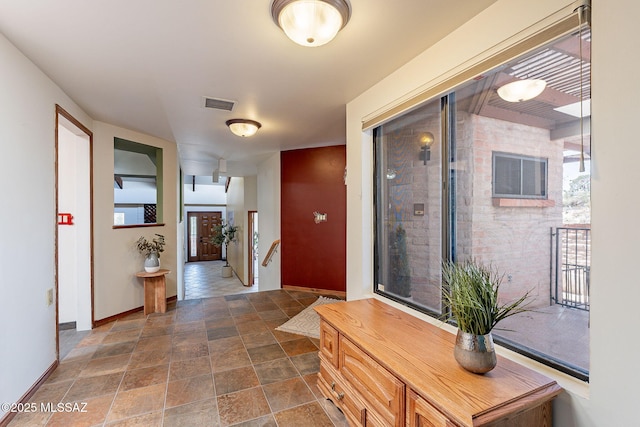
[(65, 219)]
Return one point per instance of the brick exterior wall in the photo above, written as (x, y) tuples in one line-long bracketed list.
[(417, 183), (514, 237)]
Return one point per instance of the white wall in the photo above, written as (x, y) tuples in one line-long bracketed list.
[(203, 194), (269, 221), (74, 241), (67, 254), (610, 397), (241, 198), (135, 193), (27, 265), (236, 214), (116, 259), (250, 204), (615, 292)]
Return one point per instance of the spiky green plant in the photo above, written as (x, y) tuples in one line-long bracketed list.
[(471, 293)]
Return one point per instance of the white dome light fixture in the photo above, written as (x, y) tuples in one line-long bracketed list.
[(243, 127), (311, 23), (522, 90)]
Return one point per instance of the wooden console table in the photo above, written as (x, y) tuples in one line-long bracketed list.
[(384, 367), (155, 291)]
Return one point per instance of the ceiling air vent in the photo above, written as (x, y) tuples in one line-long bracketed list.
[(218, 104)]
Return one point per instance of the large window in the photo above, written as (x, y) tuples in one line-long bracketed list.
[(471, 175)]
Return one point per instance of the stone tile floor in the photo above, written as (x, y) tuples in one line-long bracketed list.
[(204, 279), (69, 339), (205, 362)]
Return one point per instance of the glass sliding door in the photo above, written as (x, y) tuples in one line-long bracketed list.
[(408, 207)]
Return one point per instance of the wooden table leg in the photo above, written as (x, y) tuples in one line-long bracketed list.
[(155, 300), (161, 296)]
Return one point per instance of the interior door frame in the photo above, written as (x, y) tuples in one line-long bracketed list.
[(191, 214), (59, 111), (251, 227)]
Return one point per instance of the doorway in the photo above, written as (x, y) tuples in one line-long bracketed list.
[(74, 237), (253, 248), (200, 232)]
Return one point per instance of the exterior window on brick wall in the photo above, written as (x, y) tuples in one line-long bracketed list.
[(517, 176)]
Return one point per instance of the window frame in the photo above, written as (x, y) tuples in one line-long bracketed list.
[(522, 158), (156, 153), (380, 287), (448, 246), (448, 207)]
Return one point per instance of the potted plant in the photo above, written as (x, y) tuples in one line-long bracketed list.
[(471, 293), (151, 250), (400, 283), (223, 234)]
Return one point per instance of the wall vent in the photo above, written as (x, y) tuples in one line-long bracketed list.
[(218, 104)]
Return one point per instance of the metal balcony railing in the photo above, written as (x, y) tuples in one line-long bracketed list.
[(570, 266)]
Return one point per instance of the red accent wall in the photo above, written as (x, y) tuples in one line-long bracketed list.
[(314, 255)]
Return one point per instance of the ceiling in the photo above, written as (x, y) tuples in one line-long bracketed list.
[(147, 65), (565, 66)]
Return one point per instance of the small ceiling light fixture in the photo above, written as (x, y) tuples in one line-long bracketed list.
[(311, 23), (522, 90), (243, 127)]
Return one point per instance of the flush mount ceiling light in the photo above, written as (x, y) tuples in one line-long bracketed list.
[(522, 90), (311, 22), (243, 127)]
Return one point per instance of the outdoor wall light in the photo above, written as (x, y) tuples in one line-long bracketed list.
[(311, 23), (426, 141), (243, 127), (391, 173)]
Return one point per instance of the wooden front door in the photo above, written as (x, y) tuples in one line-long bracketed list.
[(201, 226)]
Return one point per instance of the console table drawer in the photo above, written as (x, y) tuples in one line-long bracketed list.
[(393, 368), (422, 414), (332, 387), (381, 389), (329, 343)]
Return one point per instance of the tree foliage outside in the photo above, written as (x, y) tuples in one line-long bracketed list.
[(576, 201)]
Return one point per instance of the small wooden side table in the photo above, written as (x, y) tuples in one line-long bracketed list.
[(155, 291)]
